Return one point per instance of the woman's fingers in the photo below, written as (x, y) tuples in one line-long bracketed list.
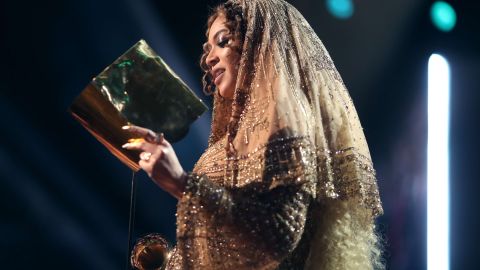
[(145, 133), (149, 160), (145, 156), (159, 138), (135, 144), (146, 166), (160, 163), (138, 130), (157, 159)]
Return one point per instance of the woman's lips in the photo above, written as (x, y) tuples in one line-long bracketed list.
[(218, 78)]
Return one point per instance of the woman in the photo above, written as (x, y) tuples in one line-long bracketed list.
[(287, 180)]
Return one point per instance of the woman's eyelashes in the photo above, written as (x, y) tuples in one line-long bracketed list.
[(223, 42)]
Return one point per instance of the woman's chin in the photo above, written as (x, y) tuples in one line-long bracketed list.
[(225, 93)]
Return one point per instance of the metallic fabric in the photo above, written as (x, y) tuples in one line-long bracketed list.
[(138, 88)]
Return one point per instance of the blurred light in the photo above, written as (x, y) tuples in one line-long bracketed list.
[(443, 16), (342, 9), (437, 164)]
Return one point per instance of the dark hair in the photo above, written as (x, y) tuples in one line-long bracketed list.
[(235, 24)]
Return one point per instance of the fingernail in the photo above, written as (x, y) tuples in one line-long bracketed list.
[(125, 145), (125, 127)]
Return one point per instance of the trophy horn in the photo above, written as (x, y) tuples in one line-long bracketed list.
[(151, 252)]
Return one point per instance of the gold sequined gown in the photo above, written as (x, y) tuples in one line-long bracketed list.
[(288, 141)]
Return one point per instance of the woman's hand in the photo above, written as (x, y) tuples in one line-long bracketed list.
[(158, 159)]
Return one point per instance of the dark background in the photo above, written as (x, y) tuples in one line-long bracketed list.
[(64, 198)]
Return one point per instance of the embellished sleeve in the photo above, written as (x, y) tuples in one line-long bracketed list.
[(270, 219), (254, 220)]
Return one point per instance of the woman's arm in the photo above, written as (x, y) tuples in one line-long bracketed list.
[(274, 217)]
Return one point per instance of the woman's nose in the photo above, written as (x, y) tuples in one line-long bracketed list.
[(212, 59)]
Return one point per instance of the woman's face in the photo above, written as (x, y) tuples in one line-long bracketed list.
[(222, 57)]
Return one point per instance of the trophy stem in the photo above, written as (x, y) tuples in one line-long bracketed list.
[(131, 220)]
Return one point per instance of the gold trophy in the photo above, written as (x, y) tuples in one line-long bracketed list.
[(151, 252)]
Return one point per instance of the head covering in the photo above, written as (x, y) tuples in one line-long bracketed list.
[(292, 109)]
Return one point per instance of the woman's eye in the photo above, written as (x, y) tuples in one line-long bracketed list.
[(222, 43)]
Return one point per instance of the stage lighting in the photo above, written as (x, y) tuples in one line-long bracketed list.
[(443, 16), (437, 163), (341, 9)]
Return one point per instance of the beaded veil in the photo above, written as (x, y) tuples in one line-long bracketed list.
[(289, 93), (289, 140)]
